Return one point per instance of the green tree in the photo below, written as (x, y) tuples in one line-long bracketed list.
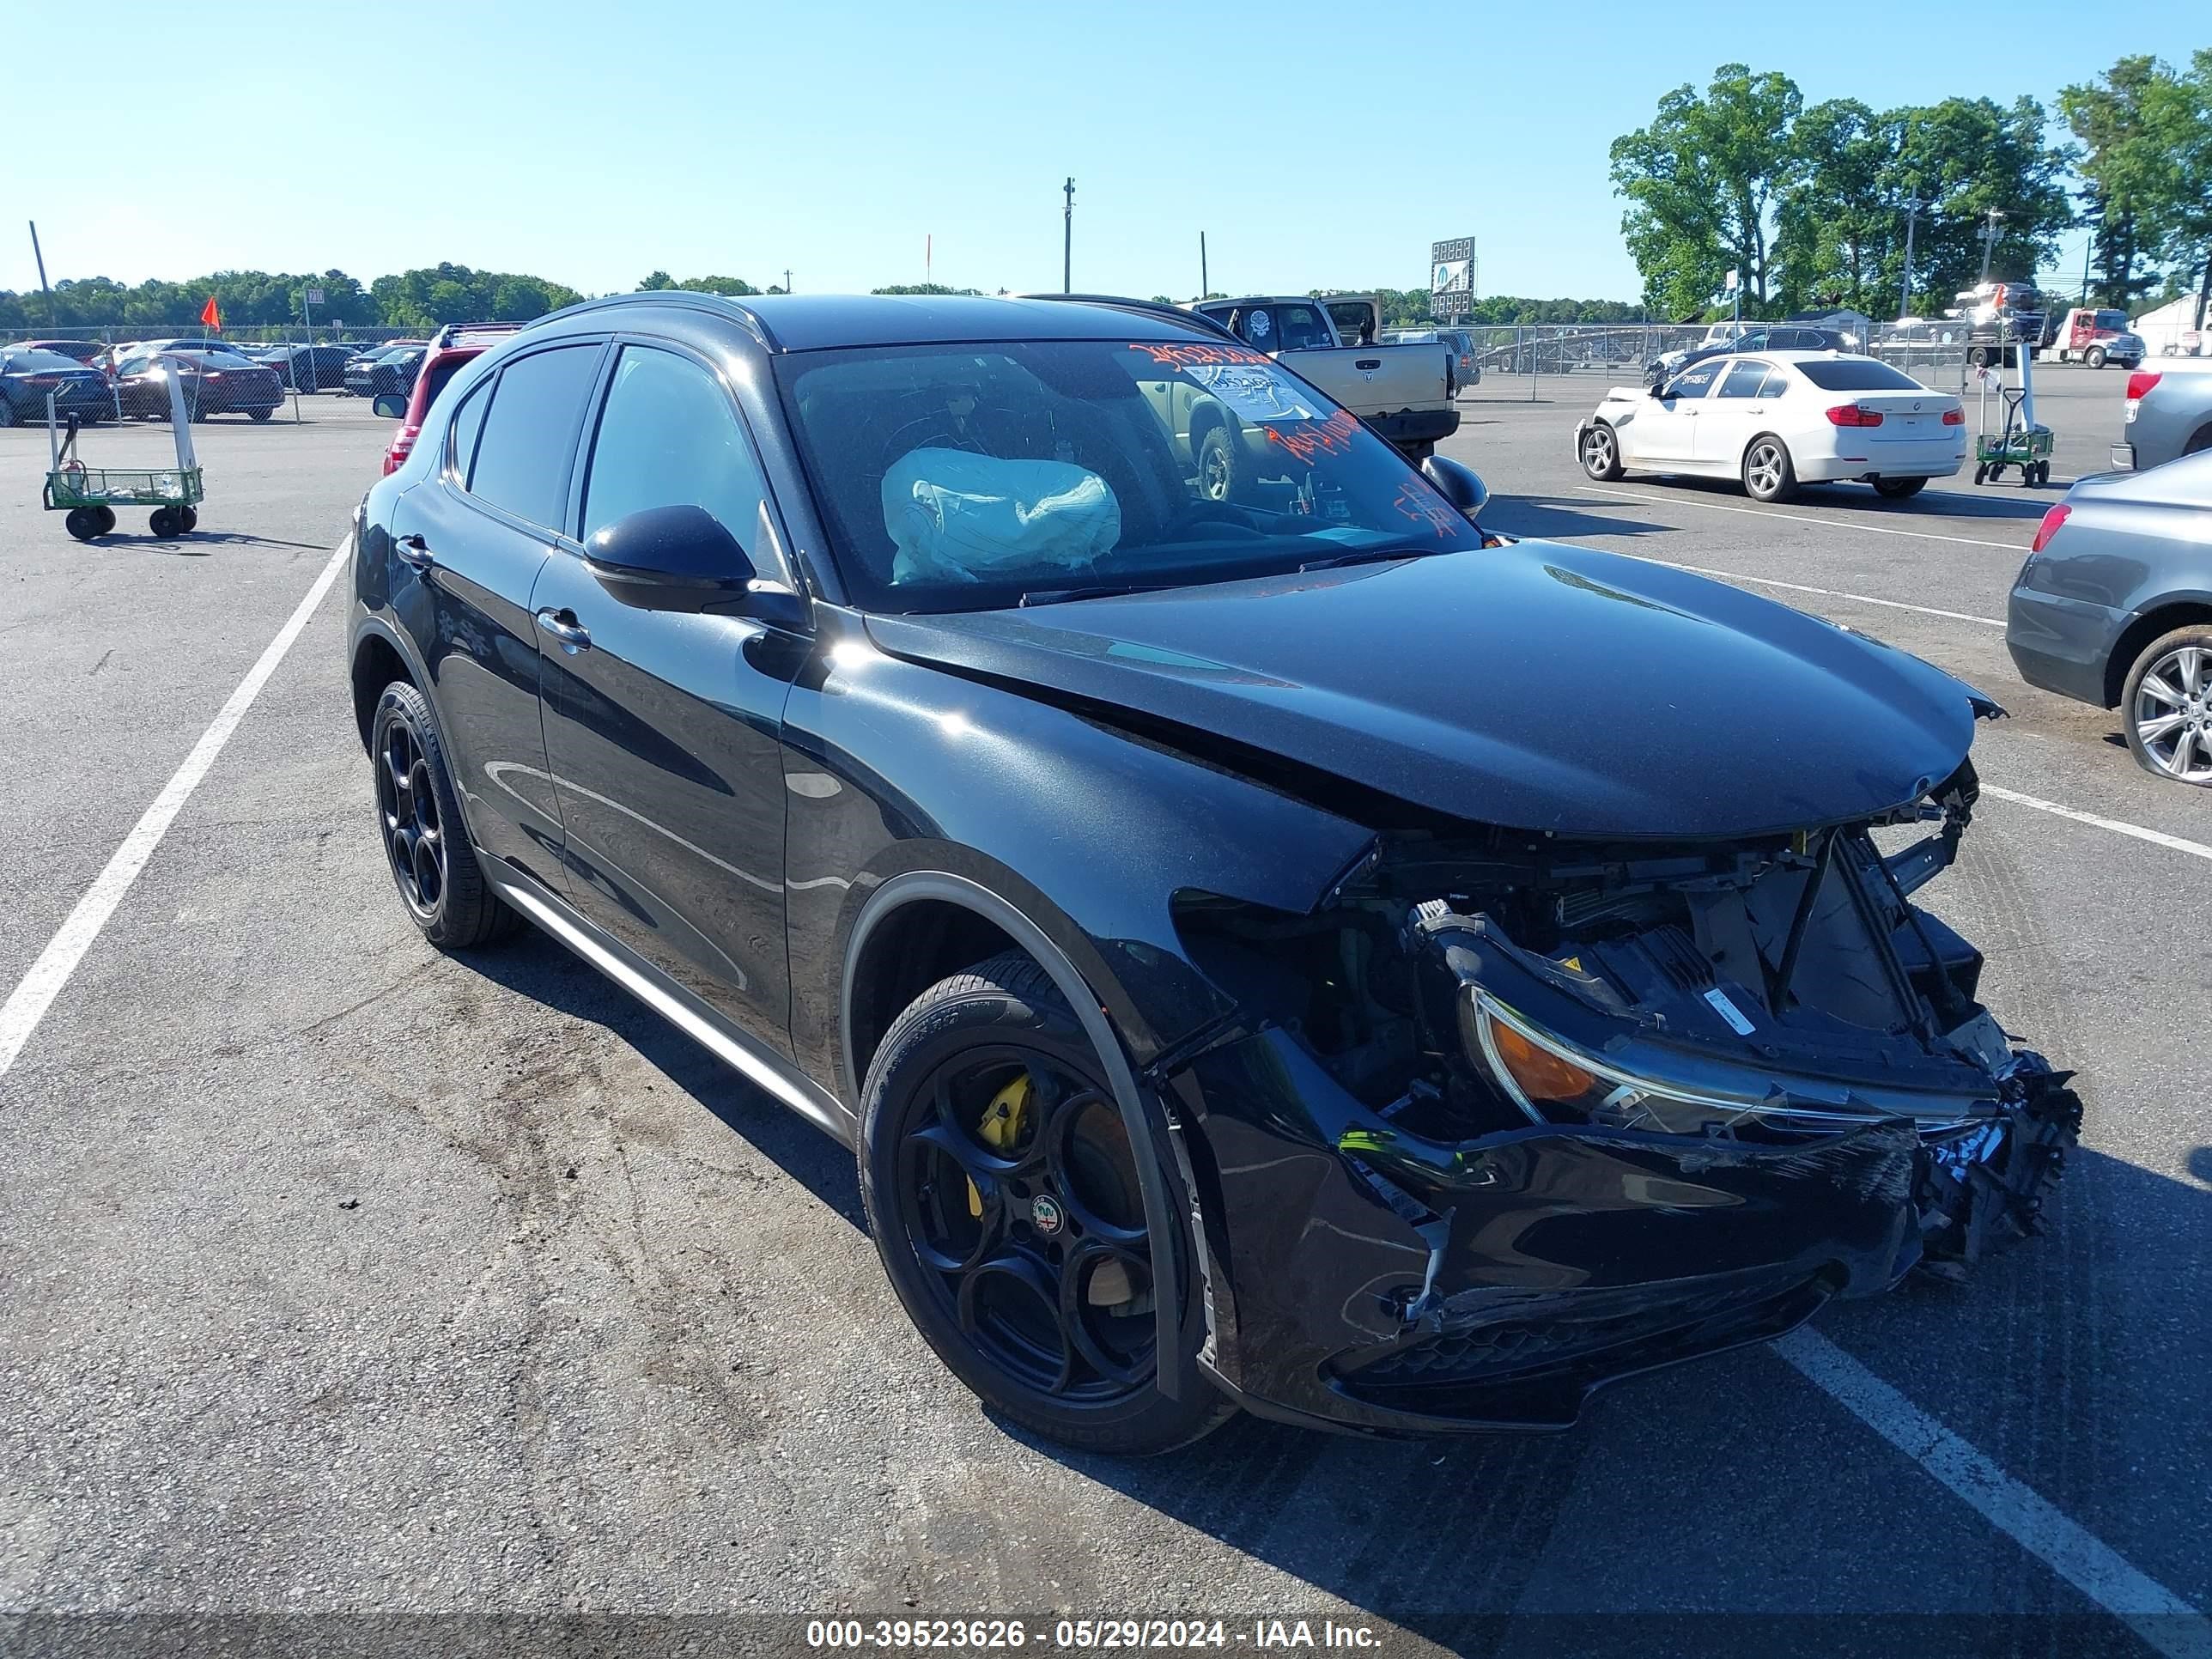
[(2146, 134), (1838, 218), (1702, 182), (1963, 157)]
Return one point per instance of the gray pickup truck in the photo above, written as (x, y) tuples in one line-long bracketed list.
[(1404, 393), (2168, 413)]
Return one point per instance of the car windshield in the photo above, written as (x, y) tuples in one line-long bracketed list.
[(2114, 320), (217, 358), (961, 477), (1855, 375)]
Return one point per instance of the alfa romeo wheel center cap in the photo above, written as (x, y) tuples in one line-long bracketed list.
[(1047, 1216)]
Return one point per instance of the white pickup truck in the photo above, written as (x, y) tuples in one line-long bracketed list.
[(1405, 393)]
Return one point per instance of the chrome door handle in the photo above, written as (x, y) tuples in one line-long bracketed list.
[(414, 550), (563, 626)]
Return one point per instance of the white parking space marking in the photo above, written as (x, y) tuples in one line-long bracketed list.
[(1826, 592), (27, 1004), (2118, 827), (1801, 518), (2162, 1619)]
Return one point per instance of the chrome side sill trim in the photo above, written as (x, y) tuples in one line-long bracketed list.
[(679, 1009)]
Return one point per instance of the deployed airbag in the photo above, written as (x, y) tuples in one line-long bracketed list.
[(955, 516)]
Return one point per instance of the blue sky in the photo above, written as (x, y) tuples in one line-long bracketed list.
[(1316, 145)]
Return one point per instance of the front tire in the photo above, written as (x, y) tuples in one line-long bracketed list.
[(1602, 454), (2166, 706), (1899, 489), (419, 822), (2094, 356), (1769, 475), (1001, 1189)]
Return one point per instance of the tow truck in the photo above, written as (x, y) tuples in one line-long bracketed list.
[(2087, 335)]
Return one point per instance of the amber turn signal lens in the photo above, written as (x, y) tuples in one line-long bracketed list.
[(1541, 1074)]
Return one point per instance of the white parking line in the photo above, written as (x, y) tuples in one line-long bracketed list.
[(27, 1004), (1825, 593), (1801, 518), (2154, 1613), (2118, 827)]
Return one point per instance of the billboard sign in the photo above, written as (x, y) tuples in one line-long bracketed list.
[(1452, 278)]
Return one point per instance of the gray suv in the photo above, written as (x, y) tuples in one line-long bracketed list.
[(2114, 608), (2168, 413)]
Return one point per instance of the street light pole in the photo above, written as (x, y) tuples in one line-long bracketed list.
[(1067, 239), (1990, 240), (1912, 206)]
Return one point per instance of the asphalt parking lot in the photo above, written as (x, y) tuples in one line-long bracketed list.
[(339, 1277)]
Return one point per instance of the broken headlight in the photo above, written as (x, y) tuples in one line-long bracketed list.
[(1553, 1080)]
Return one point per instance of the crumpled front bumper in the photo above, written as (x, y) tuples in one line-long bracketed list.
[(1363, 1280)]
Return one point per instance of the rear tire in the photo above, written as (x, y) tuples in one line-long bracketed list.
[(2180, 752), (1769, 474), (419, 823), (1601, 455), (1899, 489), (260, 414), (1003, 1249), (106, 516), (165, 522)]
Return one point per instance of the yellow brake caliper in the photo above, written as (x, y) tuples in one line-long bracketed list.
[(1000, 1130)]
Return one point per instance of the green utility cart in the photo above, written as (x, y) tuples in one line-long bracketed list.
[(90, 495)]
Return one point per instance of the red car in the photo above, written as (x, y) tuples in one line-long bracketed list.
[(453, 345)]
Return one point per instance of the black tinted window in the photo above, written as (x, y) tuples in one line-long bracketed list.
[(1857, 374), (1744, 379), (522, 458), (668, 437)]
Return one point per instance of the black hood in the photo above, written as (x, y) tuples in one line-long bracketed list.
[(1537, 686)]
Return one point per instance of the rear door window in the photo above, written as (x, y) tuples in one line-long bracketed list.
[(1746, 379), (529, 434)]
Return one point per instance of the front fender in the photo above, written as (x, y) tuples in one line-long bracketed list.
[(894, 768)]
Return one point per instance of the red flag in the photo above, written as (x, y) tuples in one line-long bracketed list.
[(210, 315)]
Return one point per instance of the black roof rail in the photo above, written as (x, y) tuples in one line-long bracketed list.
[(686, 298), (1197, 320)]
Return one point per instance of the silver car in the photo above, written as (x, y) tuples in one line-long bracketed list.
[(2167, 413), (2114, 608)]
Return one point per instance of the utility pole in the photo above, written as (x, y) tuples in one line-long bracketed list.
[(1990, 240), (1067, 239), (1912, 206), (1204, 287), (786, 279), (53, 317)]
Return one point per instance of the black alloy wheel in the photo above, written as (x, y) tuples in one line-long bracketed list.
[(425, 843), (414, 833), (1002, 1189)]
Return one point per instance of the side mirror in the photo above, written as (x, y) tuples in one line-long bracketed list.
[(682, 558), (1460, 485), (391, 406)]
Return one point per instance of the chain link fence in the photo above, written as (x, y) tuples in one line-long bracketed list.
[(254, 373), (1516, 360)]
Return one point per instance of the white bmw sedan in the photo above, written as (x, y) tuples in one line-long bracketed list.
[(1779, 419)]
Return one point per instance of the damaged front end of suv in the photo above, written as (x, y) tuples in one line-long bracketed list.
[(1509, 1116)]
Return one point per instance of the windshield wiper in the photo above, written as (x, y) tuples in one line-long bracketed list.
[(1098, 590), (1370, 555)]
